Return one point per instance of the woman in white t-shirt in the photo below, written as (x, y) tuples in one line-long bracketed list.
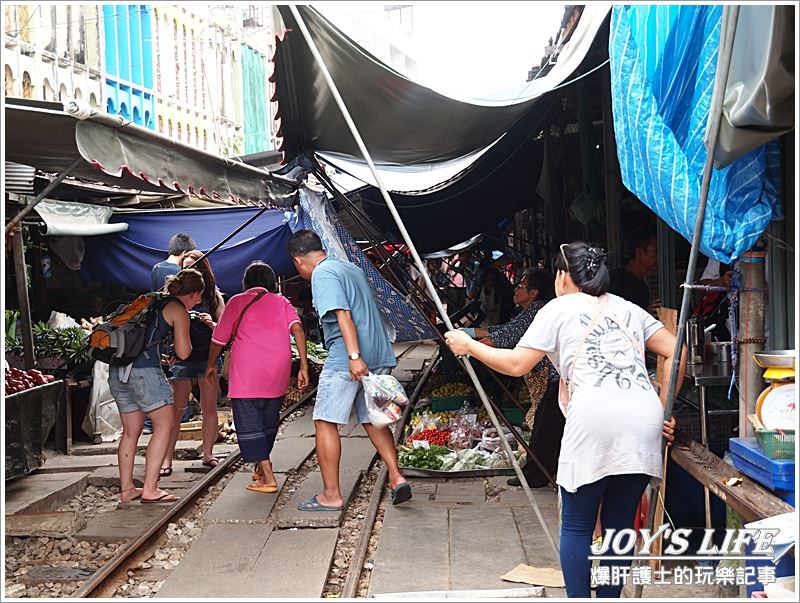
[(611, 446)]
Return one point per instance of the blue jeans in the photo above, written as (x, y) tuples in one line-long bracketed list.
[(620, 494)]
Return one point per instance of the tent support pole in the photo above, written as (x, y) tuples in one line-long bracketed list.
[(47, 190), (236, 231), (20, 272), (730, 14), (361, 220), (421, 267)]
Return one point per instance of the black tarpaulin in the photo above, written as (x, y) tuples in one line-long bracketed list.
[(409, 129), (401, 122)]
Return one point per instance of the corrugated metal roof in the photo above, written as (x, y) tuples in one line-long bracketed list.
[(19, 178)]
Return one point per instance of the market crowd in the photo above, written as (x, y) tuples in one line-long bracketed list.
[(577, 336)]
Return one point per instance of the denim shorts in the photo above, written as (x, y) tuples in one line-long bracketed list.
[(336, 395), (146, 390), (187, 370)]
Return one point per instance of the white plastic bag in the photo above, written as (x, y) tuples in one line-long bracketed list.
[(384, 396), (102, 415)]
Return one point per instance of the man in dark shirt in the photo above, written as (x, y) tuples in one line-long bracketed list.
[(628, 282), (180, 244)]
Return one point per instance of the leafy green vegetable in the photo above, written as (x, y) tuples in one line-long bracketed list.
[(423, 458)]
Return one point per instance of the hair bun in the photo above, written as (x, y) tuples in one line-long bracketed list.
[(595, 257)]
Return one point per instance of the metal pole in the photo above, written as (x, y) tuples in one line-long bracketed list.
[(730, 14), (351, 208), (421, 267), (47, 190)]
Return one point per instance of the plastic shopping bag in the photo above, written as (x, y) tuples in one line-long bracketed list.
[(384, 397)]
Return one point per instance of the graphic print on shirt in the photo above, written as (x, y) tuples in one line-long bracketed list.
[(611, 354)]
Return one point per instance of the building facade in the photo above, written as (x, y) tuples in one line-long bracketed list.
[(193, 72), (53, 52), (128, 74)]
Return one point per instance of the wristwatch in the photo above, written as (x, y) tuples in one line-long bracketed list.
[(354, 356)]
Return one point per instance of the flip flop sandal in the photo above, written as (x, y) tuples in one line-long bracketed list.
[(165, 472), (164, 498), (312, 504), (264, 489), (401, 494), (211, 463)]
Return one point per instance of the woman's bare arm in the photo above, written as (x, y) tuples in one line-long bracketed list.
[(516, 362)]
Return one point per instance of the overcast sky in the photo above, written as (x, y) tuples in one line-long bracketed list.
[(472, 49)]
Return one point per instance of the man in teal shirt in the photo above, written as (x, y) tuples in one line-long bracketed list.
[(357, 344)]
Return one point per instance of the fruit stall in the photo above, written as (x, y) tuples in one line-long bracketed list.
[(33, 401), (38, 398), (449, 433)]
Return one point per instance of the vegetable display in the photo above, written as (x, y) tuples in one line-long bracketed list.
[(432, 436), (449, 390), (462, 440), (423, 458), (314, 350), (18, 380)]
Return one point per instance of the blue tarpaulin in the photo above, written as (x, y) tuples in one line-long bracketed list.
[(663, 64), (404, 321), (126, 258)]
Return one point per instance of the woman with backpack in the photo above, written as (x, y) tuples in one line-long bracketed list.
[(611, 446), (185, 373), (143, 388), (258, 324)]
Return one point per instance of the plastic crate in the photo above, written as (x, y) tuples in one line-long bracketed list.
[(776, 444), (720, 427), (750, 459), (515, 415), (448, 403)]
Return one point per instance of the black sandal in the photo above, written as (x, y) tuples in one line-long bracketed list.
[(165, 472)]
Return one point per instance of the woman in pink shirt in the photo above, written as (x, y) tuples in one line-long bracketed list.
[(260, 365)]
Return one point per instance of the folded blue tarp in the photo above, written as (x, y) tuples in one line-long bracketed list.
[(126, 258), (663, 65)]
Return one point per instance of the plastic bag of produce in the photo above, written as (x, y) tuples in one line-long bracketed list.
[(384, 396), (491, 441)]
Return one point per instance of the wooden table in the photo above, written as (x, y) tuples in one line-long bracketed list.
[(748, 498)]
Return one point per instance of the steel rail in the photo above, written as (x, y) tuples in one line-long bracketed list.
[(357, 560), (423, 271), (103, 575)]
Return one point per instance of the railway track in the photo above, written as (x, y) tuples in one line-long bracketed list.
[(105, 580)]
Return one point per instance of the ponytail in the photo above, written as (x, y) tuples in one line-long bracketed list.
[(186, 282), (587, 267)]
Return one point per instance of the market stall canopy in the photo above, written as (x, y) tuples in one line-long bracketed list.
[(127, 258), (65, 218), (402, 123), (50, 137), (454, 167), (663, 67)]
